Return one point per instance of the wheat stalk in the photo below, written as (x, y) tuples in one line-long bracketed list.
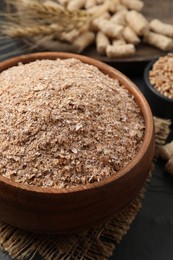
[(19, 31), (33, 18), (36, 19)]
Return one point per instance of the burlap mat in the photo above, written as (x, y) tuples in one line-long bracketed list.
[(97, 243)]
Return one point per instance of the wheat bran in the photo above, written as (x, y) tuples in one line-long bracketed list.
[(64, 123)]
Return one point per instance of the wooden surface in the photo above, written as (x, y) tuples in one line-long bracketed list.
[(161, 9), (68, 210)]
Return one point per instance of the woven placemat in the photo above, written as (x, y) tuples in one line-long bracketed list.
[(97, 243)]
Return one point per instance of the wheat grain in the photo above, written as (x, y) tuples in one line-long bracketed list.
[(19, 31)]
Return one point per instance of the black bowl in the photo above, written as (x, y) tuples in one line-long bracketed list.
[(161, 106)]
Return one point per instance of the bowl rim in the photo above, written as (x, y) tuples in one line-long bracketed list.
[(113, 73), (149, 85)]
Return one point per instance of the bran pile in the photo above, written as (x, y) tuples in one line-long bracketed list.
[(64, 123)]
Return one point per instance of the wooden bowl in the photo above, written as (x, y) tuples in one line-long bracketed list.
[(52, 210)]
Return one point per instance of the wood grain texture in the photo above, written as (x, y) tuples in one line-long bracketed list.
[(53, 210)]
